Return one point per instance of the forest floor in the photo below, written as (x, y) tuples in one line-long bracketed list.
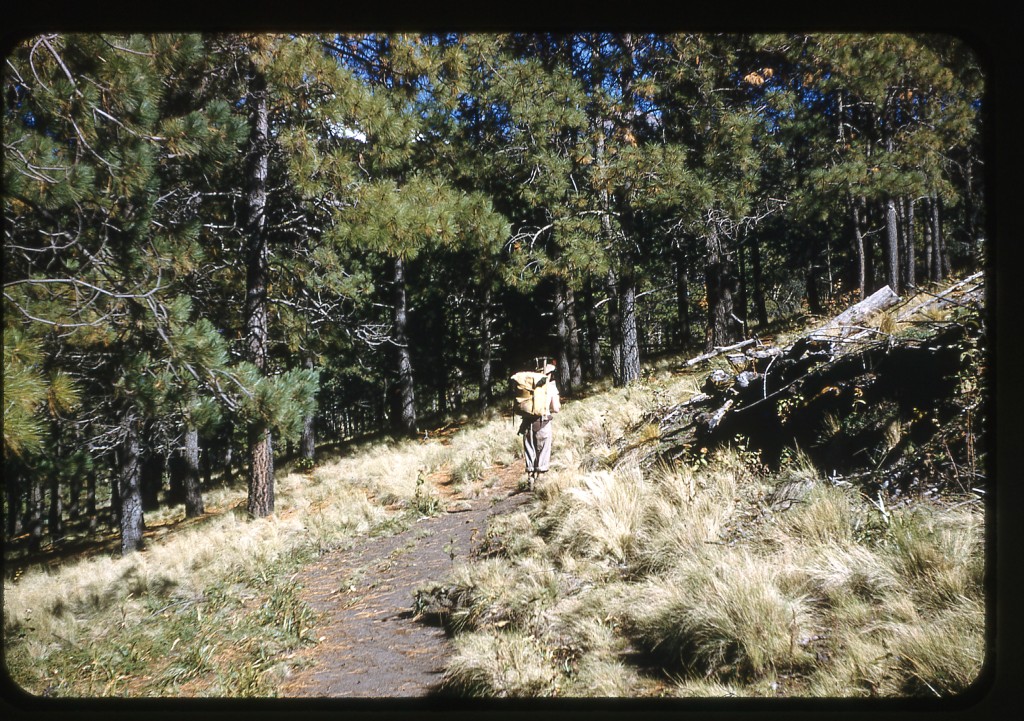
[(372, 644)]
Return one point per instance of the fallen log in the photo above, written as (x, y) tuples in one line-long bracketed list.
[(852, 319), (945, 296), (719, 350)]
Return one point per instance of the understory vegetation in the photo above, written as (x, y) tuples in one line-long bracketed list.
[(688, 582), (212, 608), (721, 576), (717, 576)]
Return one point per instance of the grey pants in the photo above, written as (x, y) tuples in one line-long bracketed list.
[(537, 445)]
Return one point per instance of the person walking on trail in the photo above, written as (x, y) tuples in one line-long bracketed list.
[(536, 430)]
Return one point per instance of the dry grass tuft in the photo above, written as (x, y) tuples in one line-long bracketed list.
[(504, 665), (723, 613)]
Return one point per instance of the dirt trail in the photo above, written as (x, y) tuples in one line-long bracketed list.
[(372, 645)]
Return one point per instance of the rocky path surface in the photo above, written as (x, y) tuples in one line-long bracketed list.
[(372, 644)]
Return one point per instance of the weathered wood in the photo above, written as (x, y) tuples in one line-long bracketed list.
[(944, 296), (718, 351), (853, 317)]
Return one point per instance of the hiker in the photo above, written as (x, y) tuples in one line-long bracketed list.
[(536, 429)]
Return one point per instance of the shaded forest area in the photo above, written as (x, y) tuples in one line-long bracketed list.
[(223, 250)]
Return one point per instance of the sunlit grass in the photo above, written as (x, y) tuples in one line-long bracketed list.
[(738, 583), (741, 584)]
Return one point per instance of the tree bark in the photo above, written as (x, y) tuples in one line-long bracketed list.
[(569, 374), (261, 472), (190, 456), (575, 364), (630, 340), (848, 321), (718, 282), (929, 242), (758, 277), (892, 245), (261, 463), (593, 329), (90, 500), (404, 410), (858, 249), (228, 457), (942, 268), (307, 444), (34, 513), (909, 258), (13, 489), (55, 520), (813, 297), (129, 489), (615, 327), (684, 331)]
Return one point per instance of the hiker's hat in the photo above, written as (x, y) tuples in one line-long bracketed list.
[(548, 368)]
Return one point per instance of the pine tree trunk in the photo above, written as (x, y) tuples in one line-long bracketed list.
[(115, 493), (758, 272), (228, 457), (813, 297), (261, 464), (260, 501), (744, 299), (34, 520), (892, 246), (13, 489), (55, 518), (206, 464), (684, 331), (575, 364), (909, 258), (718, 282), (942, 268), (593, 327), (630, 340), (129, 490), (858, 248), (307, 444), (90, 500), (485, 321), (615, 328), (870, 276), (929, 243), (190, 456), (568, 341), (74, 496), (404, 412)]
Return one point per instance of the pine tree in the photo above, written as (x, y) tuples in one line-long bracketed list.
[(98, 114)]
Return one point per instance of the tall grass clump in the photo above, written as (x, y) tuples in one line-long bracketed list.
[(600, 516), (509, 664), (722, 613)]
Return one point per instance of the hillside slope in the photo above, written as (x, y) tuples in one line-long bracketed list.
[(801, 520)]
